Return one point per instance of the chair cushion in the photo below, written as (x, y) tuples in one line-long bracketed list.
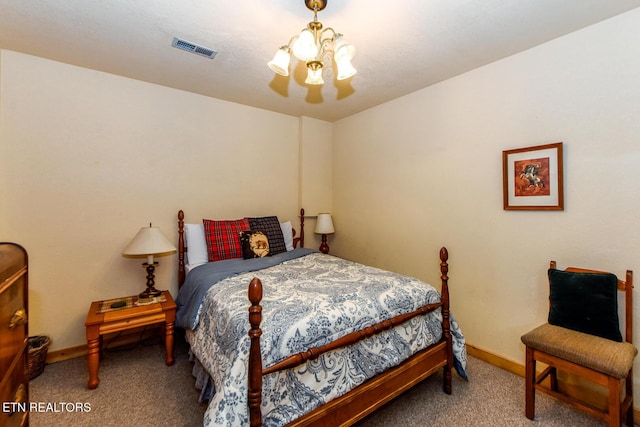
[(585, 302), (599, 354)]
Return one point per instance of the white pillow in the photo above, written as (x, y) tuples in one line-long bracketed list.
[(196, 245), (287, 232)]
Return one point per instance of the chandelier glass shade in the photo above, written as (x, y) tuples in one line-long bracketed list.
[(315, 45)]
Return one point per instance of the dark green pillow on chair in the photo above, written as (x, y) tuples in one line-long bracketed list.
[(585, 302)]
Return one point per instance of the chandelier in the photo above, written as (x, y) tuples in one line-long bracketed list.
[(315, 46)]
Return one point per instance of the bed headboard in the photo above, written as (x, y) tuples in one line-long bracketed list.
[(182, 247)]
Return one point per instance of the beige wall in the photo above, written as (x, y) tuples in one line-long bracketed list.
[(424, 171), (316, 180), (87, 158)]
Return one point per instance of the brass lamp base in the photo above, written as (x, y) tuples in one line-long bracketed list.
[(151, 291)]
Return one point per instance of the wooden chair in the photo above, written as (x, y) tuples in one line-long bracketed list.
[(594, 358)]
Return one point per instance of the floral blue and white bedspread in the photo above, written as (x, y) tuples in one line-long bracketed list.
[(307, 302)]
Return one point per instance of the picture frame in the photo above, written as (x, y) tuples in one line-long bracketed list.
[(533, 178)]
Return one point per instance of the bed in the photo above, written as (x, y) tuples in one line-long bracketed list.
[(325, 341)]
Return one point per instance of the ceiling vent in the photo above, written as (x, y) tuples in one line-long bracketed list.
[(193, 48)]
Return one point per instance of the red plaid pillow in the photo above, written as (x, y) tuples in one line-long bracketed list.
[(223, 238)]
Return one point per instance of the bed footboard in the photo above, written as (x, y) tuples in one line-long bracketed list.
[(370, 395)]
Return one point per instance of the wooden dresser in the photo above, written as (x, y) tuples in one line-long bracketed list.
[(14, 336)]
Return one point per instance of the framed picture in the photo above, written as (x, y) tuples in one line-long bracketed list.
[(532, 178)]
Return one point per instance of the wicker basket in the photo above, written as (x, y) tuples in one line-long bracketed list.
[(38, 347)]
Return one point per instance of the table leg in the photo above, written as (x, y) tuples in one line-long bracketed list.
[(168, 342), (93, 359)]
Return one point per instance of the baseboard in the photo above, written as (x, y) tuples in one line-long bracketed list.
[(66, 354), (495, 360), (584, 393)]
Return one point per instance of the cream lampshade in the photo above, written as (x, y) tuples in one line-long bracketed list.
[(147, 243), (324, 226)]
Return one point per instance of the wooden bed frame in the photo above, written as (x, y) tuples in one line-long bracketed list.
[(366, 398)]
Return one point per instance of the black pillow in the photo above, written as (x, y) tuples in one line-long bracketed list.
[(255, 244), (270, 226), (585, 302)]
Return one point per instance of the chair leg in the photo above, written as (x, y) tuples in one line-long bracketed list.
[(629, 393), (614, 402), (529, 385), (553, 379)]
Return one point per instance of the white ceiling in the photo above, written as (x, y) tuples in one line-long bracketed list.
[(402, 46)]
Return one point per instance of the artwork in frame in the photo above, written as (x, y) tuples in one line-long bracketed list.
[(533, 178)]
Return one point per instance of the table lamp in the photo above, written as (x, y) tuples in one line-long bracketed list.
[(324, 226), (149, 242)]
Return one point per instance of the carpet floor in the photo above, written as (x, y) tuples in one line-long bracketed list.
[(138, 389)]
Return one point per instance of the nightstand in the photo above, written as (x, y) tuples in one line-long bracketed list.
[(102, 319)]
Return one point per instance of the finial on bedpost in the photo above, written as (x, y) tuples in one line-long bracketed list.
[(444, 254), (444, 270), (181, 270), (255, 357), (446, 322)]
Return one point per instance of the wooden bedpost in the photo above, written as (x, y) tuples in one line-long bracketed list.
[(181, 270), (302, 228), (255, 356), (298, 242), (446, 322)]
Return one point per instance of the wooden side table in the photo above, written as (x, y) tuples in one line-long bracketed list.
[(99, 323)]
